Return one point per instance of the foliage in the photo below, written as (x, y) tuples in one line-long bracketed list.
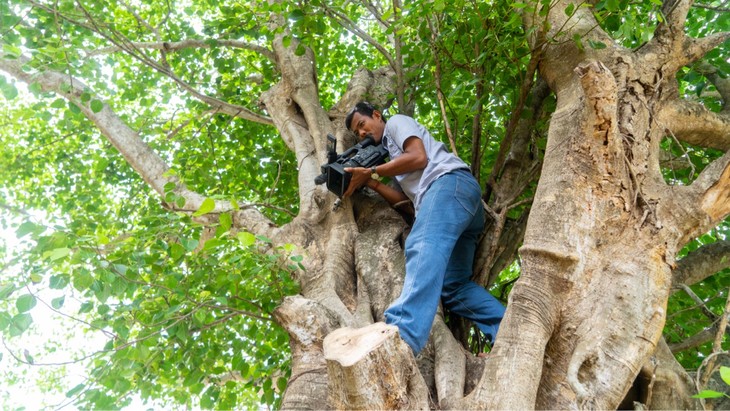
[(725, 376), (177, 311)]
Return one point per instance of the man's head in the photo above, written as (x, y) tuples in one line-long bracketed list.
[(365, 120)]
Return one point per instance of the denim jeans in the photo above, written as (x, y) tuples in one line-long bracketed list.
[(439, 257)]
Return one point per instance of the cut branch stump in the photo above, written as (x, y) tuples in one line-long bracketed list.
[(371, 368)]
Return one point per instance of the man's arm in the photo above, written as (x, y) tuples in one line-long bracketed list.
[(391, 195), (414, 158)]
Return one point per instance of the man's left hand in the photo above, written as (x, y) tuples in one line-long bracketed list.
[(360, 176)]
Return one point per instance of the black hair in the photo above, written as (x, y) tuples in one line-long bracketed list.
[(363, 108)]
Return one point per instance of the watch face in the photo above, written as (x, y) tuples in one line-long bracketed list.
[(374, 176)]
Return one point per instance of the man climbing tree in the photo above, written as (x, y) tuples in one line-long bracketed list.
[(449, 221)]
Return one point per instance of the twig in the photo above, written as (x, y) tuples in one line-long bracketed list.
[(717, 345)]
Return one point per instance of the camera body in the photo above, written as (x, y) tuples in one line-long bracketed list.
[(364, 154)]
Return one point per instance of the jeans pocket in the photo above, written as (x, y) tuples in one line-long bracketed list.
[(467, 193)]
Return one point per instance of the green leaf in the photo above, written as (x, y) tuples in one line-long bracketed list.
[(226, 221), (296, 15), (25, 303), (82, 280), (9, 91), (26, 228), (569, 9), (28, 357), (597, 44), (708, 394), (281, 384), (96, 106), (86, 307), (247, 239), (58, 302), (189, 244), (4, 320), (578, 41), (57, 253), (75, 390), (205, 208), (725, 374), (6, 291), (177, 251), (19, 324)]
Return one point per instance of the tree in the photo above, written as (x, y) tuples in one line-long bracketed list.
[(181, 211)]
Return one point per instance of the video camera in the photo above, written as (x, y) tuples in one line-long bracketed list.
[(363, 154)]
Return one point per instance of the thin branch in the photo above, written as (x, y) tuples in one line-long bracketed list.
[(105, 332), (124, 44), (189, 43), (350, 26), (722, 84), (717, 344), (706, 311), (439, 90)]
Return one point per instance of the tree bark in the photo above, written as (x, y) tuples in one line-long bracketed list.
[(371, 368)]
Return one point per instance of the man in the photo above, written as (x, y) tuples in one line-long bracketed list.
[(449, 220)]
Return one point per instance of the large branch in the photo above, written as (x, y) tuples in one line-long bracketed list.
[(702, 263), (693, 123), (714, 186), (128, 142), (672, 43)]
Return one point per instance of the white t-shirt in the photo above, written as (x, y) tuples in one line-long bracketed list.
[(440, 161)]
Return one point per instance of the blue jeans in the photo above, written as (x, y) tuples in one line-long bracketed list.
[(439, 257)]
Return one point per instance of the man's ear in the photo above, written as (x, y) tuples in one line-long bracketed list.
[(376, 115)]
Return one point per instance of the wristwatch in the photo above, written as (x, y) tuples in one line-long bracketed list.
[(374, 173)]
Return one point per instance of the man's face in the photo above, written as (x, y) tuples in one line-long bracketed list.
[(363, 125)]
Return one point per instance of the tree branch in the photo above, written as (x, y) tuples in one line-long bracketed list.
[(189, 43), (147, 163), (714, 183), (126, 45), (350, 26), (679, 49), (694, 49), (702, 263), (721, 84), (695, 124)]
